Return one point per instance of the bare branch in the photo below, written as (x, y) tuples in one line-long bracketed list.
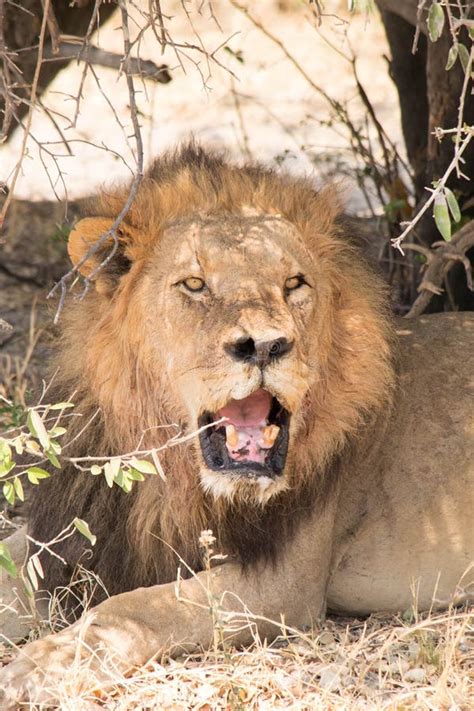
[(112, 232), (94, 55)]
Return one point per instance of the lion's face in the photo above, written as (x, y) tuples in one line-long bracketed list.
[(234, 305)]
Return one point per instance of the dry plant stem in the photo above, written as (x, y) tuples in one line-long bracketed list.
[(285, 51), (384, 140), (5, 76), (439, 188), (62, 284), (173, 442), (53, 27), (440, 263), (93, 24), (162, 38), (341, 113), (240, 117), (419, 13), (454, 26), (26, 131), (462, 100)]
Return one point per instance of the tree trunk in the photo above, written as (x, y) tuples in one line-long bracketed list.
[(429, 98)]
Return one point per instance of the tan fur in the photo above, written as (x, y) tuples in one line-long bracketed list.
[(341, 376), (376, 497)]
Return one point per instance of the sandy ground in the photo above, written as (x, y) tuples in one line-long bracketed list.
[(260, 106)]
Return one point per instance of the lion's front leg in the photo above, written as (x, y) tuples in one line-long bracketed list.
[(121, 633), (130, 629), (91, 654)]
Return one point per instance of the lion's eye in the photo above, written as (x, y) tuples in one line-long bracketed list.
[(194, 284), (294, 282)]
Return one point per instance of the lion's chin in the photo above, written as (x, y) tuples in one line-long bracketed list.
[(234, 486)]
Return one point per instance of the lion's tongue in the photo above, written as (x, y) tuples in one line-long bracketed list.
[(247, 425)]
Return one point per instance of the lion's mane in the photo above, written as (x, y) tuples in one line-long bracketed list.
[(140, 533)]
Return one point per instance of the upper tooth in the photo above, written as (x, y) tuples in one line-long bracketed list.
[(232, 436), (270, 433)]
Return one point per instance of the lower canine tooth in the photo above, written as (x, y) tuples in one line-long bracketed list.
[(270, 434), (232, 436)]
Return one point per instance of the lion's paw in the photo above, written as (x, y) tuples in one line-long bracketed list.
[(65, 663)]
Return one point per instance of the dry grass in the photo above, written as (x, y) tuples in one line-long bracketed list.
[(378, 663)]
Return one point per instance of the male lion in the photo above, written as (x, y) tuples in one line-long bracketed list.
[(340, 473)]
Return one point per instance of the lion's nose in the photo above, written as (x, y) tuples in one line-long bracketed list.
[(262, 353)]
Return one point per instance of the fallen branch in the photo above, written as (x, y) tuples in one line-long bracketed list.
[(440, 260)]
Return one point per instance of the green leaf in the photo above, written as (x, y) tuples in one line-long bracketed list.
[(453, 205), (53, 459), (143, 466), (464, 57), (5, 468), (61, 405), (30, 593), (17, 485), (18, 444), (36, 426), (36, 473), (9, 492), (32, 446), (5, 451), (96, 470), (127, 485), (124, 480), (83, 528), (441, 216), (57, 431), (135, 475), (435, 21), (452, 56), (111, 470), (37, 564), (30, 569), (6, 561), (55, 447)]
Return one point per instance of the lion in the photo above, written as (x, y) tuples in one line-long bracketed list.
[(333, 455)]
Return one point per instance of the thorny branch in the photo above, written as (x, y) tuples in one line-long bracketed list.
[(112, 232), (397, 242)]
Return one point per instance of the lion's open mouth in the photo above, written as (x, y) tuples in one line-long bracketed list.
[(254, 439)]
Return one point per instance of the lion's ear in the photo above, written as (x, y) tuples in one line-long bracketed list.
[(88, 232)]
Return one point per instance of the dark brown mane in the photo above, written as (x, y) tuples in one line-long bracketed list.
[(140, 534)]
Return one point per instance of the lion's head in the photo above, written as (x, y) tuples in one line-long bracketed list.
[(231, 296)]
